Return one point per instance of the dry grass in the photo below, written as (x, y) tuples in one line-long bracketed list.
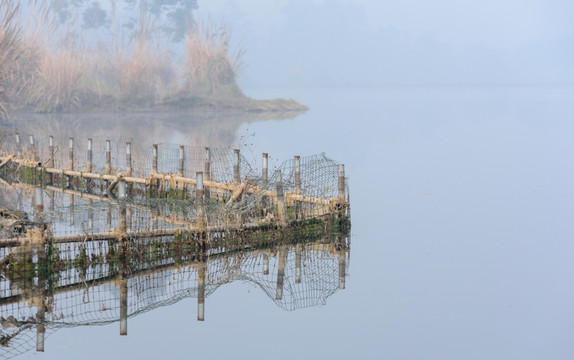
[(10, 50), (41, 71), (210, 66), (57, 85), (29, 35), (143, 74)]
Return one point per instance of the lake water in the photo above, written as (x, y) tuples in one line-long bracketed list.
[(461, 239)]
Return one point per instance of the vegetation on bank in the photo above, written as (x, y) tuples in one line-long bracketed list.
[(44, 68)]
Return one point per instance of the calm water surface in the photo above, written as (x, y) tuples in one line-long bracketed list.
[(461, 247)]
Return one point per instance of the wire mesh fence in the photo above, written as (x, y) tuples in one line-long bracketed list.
[(84, 249), (234, 193)]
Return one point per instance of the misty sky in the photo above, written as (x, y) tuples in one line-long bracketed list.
[(369, 42)]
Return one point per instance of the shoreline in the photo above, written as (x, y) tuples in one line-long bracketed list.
[(93, 103)]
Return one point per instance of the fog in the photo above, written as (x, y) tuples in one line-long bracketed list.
[(358, 43), (453, 122)]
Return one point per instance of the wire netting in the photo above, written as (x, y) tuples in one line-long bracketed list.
[(73, 252)]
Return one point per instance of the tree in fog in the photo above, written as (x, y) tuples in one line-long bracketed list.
[(172, 17)]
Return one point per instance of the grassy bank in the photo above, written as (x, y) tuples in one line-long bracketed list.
[(44, 68)]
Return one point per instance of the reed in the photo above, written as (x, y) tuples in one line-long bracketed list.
[(30, 37), (57, 84), (43, 68), (210, 65), (143, 74), (10, 50)]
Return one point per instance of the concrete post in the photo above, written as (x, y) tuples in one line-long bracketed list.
[(90, 156), (122, 194), (39, 198), (265, 264), (51, 151), (236, 175), (207, 163), (265, 169), (123, 307), (199, 189), (282, 213), (90, 216), (40, 335), (201, 292), (129, 159), (181, 160), (154, 160), (71, 154), (342, 265), (298, 174), (341, 181), (51, 159), (32, 148), (108, 157), (18, 144), (281, 273), (71, 202), (298, 264)]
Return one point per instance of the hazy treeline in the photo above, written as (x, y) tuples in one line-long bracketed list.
[(47, 63)]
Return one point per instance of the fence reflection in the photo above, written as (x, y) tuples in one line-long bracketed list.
[(104, 262)]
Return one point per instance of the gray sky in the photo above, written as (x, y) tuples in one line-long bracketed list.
[(368, 42)]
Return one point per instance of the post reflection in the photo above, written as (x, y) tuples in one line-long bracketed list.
[(50, 281)]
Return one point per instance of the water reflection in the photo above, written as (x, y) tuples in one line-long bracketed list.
[(110, 271), (213, 129)]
